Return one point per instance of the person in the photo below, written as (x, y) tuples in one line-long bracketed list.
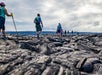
[(3, 12), (72, 31), (59, 30), (65, 32), (38, 24), (68, 31)]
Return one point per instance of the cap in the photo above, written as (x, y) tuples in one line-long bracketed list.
[(2, 4)]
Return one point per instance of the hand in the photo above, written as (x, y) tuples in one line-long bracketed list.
[(11, 14)]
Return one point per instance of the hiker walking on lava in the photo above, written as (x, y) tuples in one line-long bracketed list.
[(3, 12), (38, 24), (59, 30)]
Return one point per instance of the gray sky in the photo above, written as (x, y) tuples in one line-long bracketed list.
[(77, 15)]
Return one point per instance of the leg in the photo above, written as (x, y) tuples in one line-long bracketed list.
[(0, 31), (38, 30), (2, 26), (3, 33), (38, 34), (58, 34)]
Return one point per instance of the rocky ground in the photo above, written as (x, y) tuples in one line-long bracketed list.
[(50, 55)]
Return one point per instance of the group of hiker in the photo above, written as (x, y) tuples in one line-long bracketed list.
[(38, 22)]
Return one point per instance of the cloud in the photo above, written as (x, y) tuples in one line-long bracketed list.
[(87, 9), (77, 15)]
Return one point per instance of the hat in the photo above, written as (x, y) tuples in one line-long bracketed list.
[(2, 4)]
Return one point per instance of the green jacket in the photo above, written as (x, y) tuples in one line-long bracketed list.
[(2, 12)]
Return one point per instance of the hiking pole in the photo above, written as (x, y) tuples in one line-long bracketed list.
[(15, 25)]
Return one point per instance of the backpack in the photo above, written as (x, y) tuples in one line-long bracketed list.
[(36, 21)]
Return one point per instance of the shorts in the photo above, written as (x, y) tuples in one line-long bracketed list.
[(58, 31), (2, 23), (38, 28)]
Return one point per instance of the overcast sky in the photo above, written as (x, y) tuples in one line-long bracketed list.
[(76, 15)]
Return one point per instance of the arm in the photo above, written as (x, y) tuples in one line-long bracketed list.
[(42, 23), (7, 14)]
